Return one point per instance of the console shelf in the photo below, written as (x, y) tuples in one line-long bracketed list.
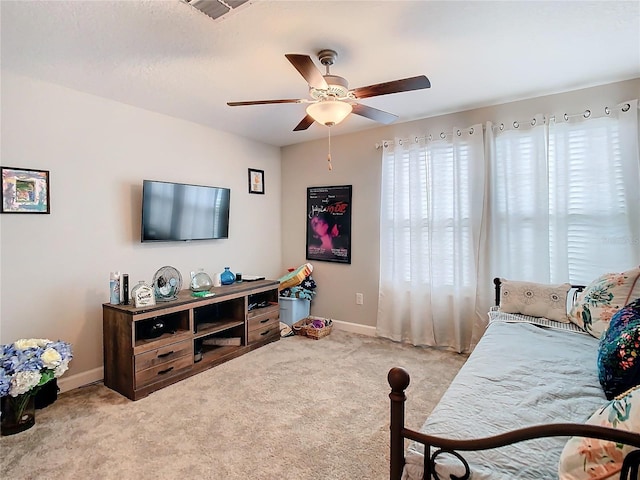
[(211, 354), (144, 345), (204, 329), (139, 359)]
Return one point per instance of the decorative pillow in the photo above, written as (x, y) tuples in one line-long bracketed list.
[(618, 360), (602, 298), (534, 299), (590, 458)]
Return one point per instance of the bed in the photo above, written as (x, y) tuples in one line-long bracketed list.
[(529, 384)]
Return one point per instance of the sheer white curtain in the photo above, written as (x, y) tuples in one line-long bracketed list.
[(514, 241), (564, 202), (431, 214), (547, 200), (518, 206), (594, 200)]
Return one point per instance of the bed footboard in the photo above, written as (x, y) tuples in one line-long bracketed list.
[(399, 379)]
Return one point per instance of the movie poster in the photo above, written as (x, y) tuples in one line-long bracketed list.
[(329, 224)]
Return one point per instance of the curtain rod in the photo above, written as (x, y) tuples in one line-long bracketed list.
[(416, 139), (516, 124)]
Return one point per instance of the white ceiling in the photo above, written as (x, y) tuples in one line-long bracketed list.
[(167, 57)]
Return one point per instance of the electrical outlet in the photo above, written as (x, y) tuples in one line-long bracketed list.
[(359, 299)]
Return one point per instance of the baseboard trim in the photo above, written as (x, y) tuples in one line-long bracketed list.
[(351, 327), (97, 374), (80, 379)]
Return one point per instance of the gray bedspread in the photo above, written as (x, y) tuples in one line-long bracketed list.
[(518, 375)]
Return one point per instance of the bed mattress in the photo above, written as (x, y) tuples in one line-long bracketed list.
[(518, 375)]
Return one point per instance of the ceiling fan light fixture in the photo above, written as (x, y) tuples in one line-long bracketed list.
[(329, 112)]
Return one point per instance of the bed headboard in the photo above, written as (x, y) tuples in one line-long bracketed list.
[(497, 283)]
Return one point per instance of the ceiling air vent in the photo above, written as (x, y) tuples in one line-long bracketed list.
[(215, 8)]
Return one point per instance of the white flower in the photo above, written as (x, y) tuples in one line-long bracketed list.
[(29, 363), (51, 358), (60, 369), (22, 382), (31, 343)]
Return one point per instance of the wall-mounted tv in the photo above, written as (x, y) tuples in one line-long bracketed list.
[(180, 212)]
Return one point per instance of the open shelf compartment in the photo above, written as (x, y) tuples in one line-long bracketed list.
[(160, 329)]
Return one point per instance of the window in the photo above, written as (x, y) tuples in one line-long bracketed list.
[(563, 201), (426, 214)]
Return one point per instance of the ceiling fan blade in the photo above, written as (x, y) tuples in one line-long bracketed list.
[(374, 114), (396, 86), (308, 70), (304, 124), (264, 102)]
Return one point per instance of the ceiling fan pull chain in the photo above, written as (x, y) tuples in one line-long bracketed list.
[(329, 154)]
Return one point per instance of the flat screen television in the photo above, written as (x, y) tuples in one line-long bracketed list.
[(174, 212)]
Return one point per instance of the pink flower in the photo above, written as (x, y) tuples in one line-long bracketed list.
[(602, 458), (606, 313), (586, 449), (625, 365)]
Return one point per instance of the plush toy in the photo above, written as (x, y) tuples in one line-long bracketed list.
[(295, 277), (306, 289), (308, 283)]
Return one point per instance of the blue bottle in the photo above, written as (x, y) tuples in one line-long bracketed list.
[(227, 277)]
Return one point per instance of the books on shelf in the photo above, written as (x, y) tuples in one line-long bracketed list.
[(219, 341)]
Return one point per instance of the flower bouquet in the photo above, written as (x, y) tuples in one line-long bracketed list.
[(25, 366)]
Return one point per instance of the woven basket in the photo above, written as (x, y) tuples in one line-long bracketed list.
[(304, 327), (300, 327), (318, 333)]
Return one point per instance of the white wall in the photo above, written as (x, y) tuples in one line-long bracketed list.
[(357, 162), (55, 268)]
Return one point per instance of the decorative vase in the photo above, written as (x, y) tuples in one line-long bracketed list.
[(200, 281), (227, 277), (18, 414)]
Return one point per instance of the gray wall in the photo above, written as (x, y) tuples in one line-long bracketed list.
[(357, 162), (55, 268)]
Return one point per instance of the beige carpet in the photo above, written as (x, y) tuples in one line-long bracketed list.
[(295, 409)]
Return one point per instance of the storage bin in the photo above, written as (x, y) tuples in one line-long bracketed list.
[(293, 309)]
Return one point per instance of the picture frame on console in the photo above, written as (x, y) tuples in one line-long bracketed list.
[(256, 181), (24, 190)]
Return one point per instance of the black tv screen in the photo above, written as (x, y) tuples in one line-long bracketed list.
[(180, 212)]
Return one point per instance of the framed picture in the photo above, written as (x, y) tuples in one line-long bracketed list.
[(24, 190), (256, 181), (329, 224)]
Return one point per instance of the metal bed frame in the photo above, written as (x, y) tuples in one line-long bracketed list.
[(399, 379)]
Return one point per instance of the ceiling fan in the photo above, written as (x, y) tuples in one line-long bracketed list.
[(332, 100)]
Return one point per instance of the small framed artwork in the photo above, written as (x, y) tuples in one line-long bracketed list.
[(24, 190), (256, 181)]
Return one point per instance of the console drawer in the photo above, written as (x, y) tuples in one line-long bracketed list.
[(163, 355), (269, 330), (264, 318), (260, 312), (163, 371)]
